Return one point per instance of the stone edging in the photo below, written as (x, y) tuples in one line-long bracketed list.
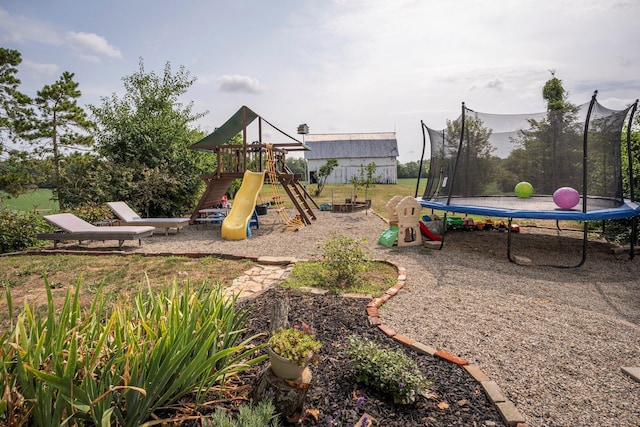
[(509, 413)]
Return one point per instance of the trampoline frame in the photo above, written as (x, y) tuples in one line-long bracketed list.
[(626, 208)]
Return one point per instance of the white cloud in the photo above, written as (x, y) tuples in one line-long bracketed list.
[(496, 83), (20, 29), (91, 58), (93, 43), (40, 70), (207, 79), (346, 65), (236, 83)]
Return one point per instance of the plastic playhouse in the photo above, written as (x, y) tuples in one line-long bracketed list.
[(404, 222)]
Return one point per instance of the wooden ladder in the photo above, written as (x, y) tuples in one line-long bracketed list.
[(298, 195)]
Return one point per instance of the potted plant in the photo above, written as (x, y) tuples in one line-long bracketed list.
[(292, 349)]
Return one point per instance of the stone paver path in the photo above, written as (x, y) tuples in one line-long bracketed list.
[(258, 279)]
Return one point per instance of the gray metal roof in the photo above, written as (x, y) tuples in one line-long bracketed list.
[(351, 145)]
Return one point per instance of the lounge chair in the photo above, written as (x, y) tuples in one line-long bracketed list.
[(73, 228), (130, 217)]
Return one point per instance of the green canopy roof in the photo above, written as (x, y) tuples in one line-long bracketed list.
[(236, 124), (241, 119)]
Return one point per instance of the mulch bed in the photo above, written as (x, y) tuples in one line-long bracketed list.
[(457, 398)]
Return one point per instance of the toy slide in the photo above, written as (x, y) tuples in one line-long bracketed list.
[(234, 226), (389, 236), (427, 233)]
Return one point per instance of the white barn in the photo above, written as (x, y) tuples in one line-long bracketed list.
[(353, 151)]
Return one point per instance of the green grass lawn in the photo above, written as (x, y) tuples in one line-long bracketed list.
[(380, 194), (40, 200)]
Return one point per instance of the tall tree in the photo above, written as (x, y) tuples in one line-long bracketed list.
[(60, 124), (147, 132), (554, 93), (474, 169), (552, 155), (13, 103)]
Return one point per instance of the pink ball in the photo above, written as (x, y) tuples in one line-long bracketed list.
[(566, 197)]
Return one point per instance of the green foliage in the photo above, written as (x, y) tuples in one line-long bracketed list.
[(261, 415), (13, 103), (618, 230), (93, 212), (411, 169), (143, 138), (297, 165), (118, 366), (345, 258), (392, 372), (377, 278), (234, 187), (80, 179), (366, 179), (60, 123), (18, 174), (556, 138), (475, 155), (18, 230), (298, 344), (554, 93), (323, 173), (634, 146)]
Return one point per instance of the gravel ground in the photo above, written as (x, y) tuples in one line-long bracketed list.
[(553, 339)]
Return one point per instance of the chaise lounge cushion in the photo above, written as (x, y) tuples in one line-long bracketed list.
[(130, 217), (74, 228)]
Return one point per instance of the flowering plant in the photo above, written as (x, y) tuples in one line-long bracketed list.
[(391, 371), (298, 344)]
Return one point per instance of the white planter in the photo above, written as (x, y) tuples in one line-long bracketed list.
[(283, 367)]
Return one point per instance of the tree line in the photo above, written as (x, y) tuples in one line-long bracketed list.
[(404, 170), (130, 147)]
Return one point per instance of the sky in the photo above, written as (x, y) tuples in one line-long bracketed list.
[(340, 66)]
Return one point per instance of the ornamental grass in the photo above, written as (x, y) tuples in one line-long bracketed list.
[(120, 365)]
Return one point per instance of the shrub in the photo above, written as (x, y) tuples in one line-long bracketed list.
[(392, 372), (93, 212), (344, 258), (618, 231), (261, 415), (18, 230), (118, 366)]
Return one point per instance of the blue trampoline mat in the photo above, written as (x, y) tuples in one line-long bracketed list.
[(534, 207)]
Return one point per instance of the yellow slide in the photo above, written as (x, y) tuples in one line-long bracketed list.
[(234, 226)]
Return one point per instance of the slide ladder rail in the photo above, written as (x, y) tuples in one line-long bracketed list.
[(296, 193)]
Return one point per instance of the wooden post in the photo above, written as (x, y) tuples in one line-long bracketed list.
[(280, 314), (287, 396)]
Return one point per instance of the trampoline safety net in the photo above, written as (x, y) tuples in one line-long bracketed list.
[(479, 158)]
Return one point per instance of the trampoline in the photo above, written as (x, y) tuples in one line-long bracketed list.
[(479, 158)]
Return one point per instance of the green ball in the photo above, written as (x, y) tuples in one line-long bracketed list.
[(523, 189)]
